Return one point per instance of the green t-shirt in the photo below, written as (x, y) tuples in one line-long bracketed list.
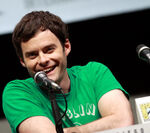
[(23, 98)]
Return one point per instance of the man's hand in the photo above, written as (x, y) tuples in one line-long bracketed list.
[(72, 130)]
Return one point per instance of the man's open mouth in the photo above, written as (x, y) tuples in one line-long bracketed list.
[(49, 69)]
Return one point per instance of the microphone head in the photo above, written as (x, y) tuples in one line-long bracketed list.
[(140, 48), (42, 80), (39, 76), (143, 52)]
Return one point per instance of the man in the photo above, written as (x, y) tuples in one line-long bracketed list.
[(96, 101)]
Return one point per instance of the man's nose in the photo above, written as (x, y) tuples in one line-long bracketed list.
[(43, 59)]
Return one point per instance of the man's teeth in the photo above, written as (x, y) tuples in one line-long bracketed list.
[(47, 70)]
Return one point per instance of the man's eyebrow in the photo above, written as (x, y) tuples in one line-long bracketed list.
[(28, 53), (50, 46)]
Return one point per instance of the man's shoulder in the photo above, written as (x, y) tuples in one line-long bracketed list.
[(89, 66), (19, 83), (89, 70)]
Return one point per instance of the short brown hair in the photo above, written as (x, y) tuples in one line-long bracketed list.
[(34, 21)]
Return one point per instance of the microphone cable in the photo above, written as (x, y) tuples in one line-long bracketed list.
[(65, 104)]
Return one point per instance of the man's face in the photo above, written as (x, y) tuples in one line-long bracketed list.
[(44, 52)]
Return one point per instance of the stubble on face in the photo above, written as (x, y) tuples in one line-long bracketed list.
[(56, 58)]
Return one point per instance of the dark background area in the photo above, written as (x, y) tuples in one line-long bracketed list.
[(111, 40)]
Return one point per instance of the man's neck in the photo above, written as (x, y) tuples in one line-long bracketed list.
[(65, 83)]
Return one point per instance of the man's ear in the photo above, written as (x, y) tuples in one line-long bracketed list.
[(67, 47), (22, 62)]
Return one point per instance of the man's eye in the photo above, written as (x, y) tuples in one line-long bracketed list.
[(49, 50), (32, 55)]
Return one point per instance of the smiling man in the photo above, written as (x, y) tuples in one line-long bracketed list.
[(44, 52), (96, 100)]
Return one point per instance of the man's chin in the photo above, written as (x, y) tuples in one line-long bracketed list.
[(53, 78)]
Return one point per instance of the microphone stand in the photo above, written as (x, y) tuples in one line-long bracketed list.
[(56, 113)]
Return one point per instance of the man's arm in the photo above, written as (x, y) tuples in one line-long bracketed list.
[(115, 110), (37, 124), (113, 106)]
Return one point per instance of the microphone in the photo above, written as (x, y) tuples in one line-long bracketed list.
[(143, 52), (42, 79)]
